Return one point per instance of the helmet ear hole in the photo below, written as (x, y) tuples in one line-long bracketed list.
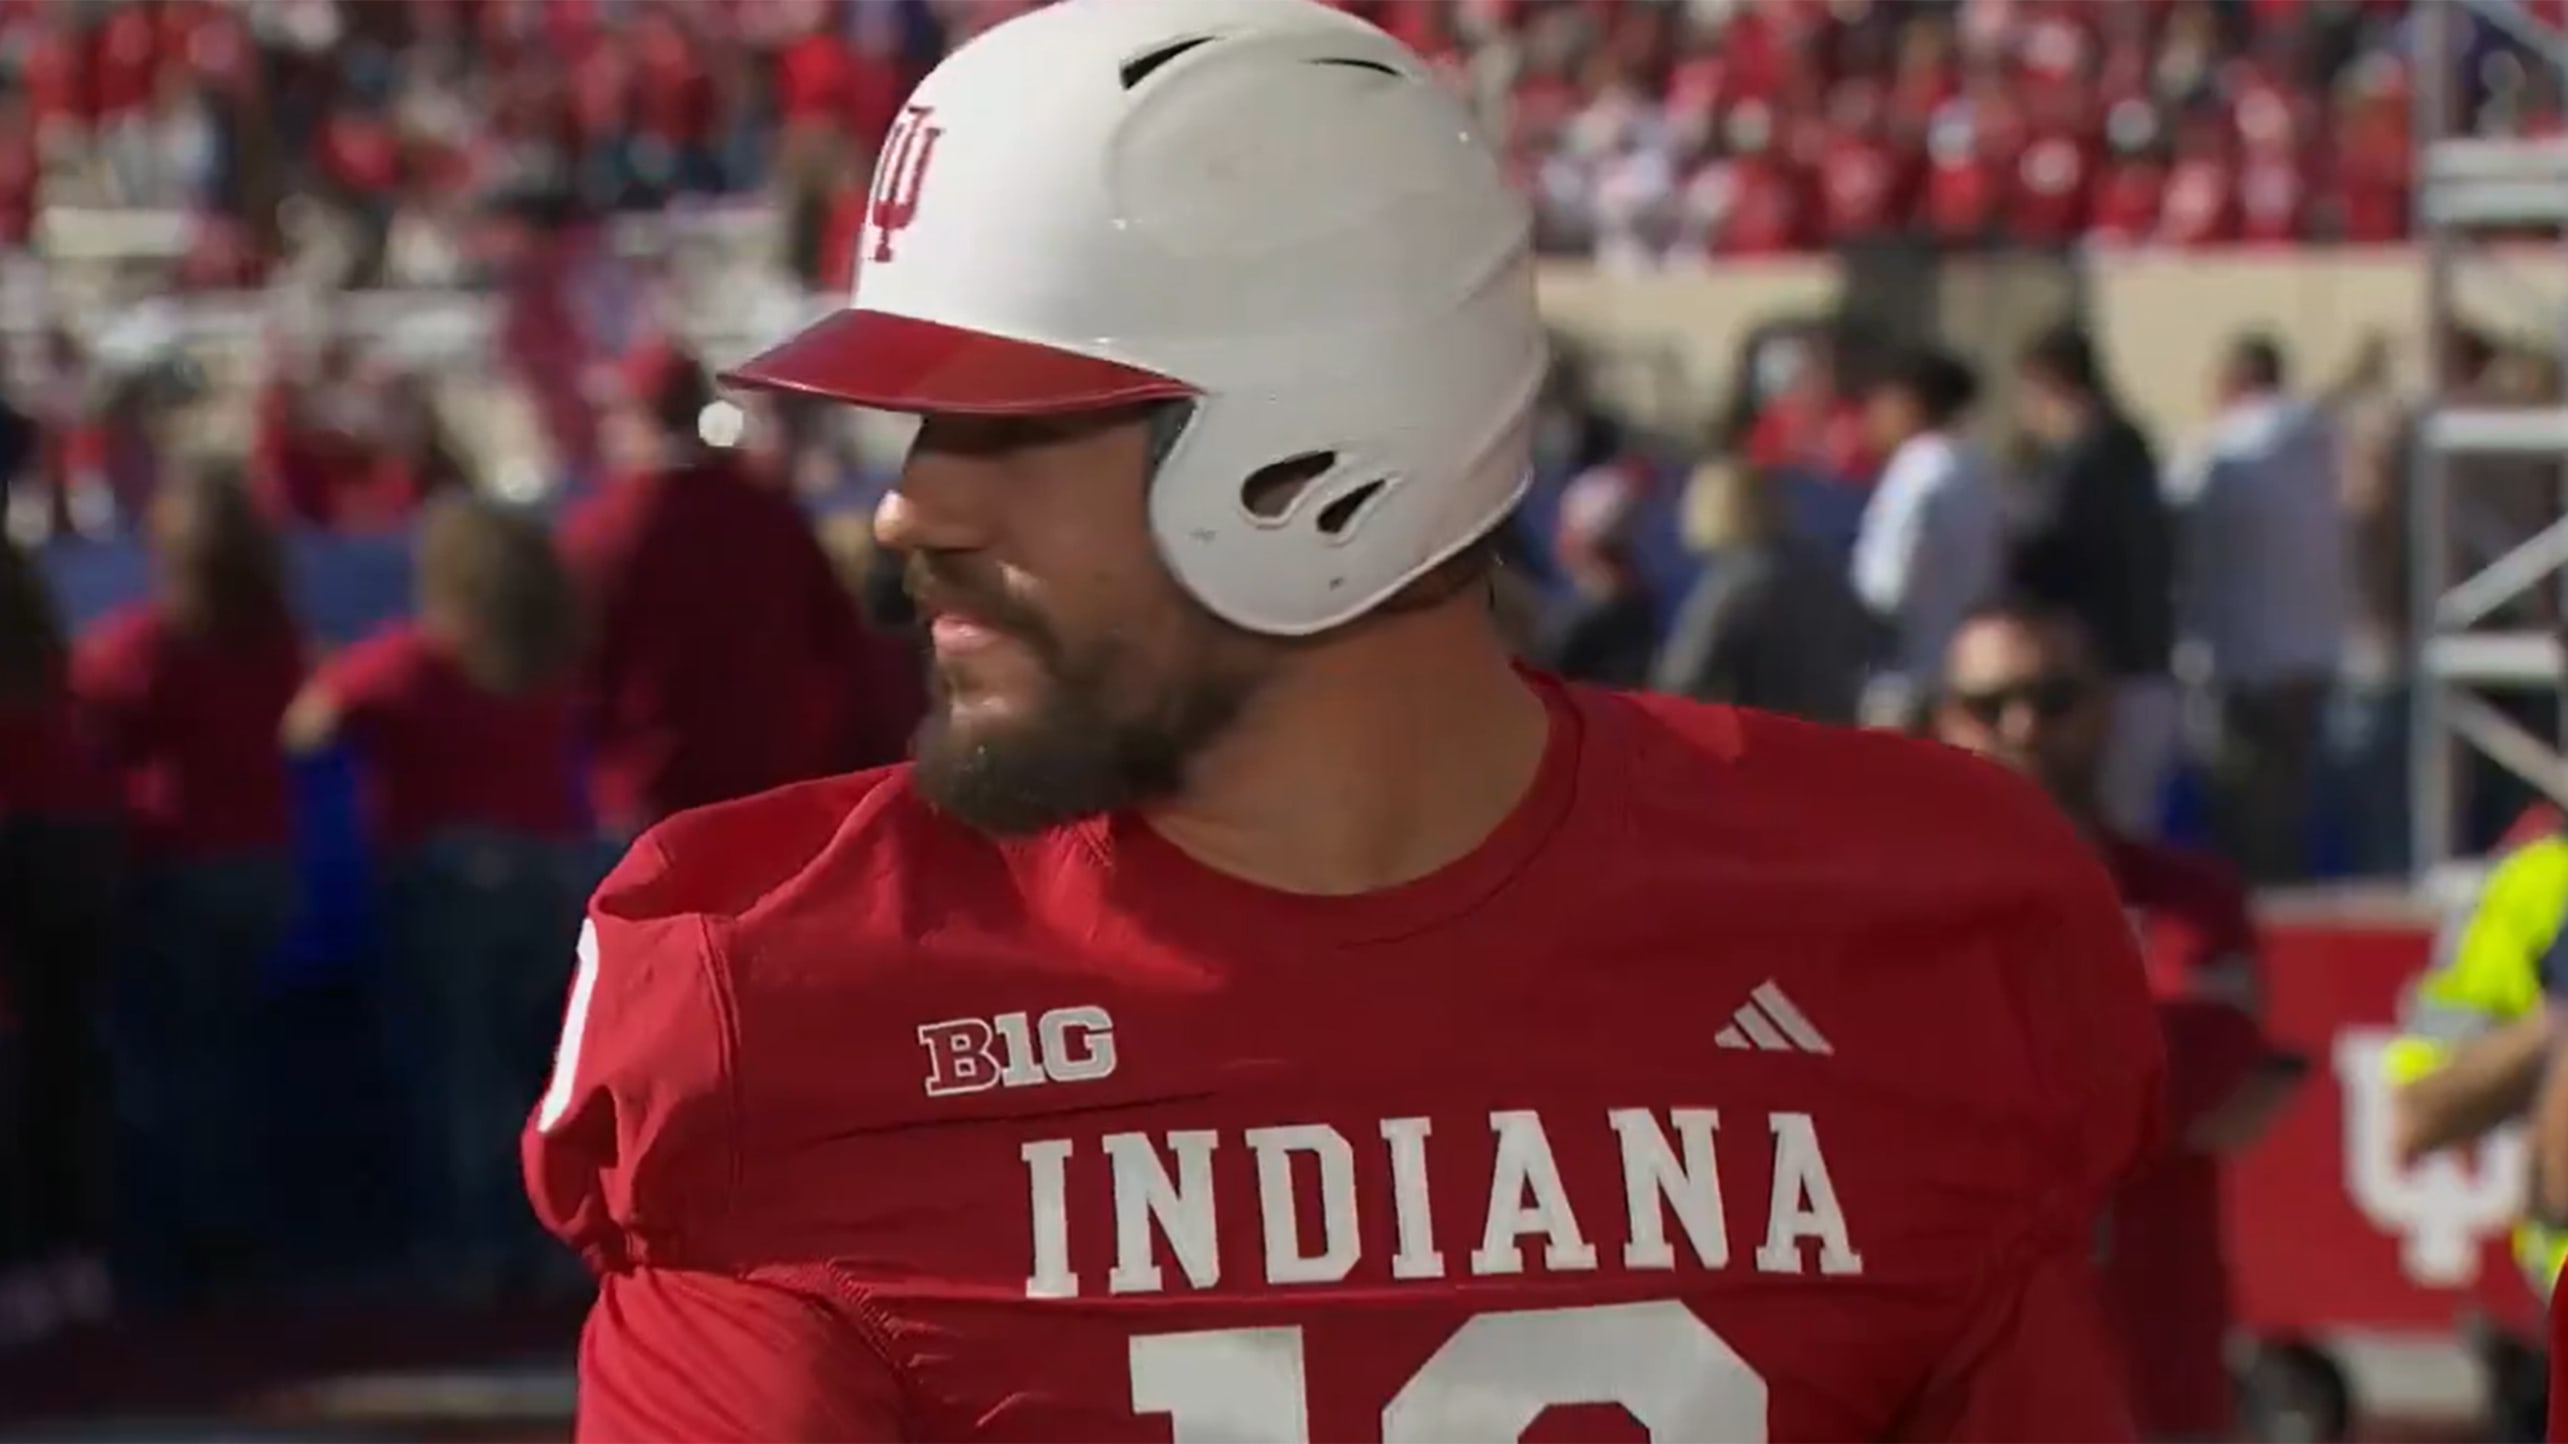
[(1270, 491)]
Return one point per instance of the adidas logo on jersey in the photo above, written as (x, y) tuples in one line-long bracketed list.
[(1769, 1022)]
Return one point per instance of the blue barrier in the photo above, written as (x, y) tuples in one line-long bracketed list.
[(344, 586)]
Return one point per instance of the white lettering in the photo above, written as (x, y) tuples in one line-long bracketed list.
[(1804, 1205), (1078, 1044), (1412, 1207), (970, 1055), (1182, 1208), (1047, 1166), (1167, 1208), (1275, 1149), (961, 1056), (1525, 1196), (1653, 1174), (1022, 1067)]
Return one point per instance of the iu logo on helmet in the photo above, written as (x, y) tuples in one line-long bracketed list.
[(898, 179)]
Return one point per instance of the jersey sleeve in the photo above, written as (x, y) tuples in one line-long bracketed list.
[(630, 1151), (362, 683), (709, 1358), (632, 1158), (2034, 1359), (2485, 971)]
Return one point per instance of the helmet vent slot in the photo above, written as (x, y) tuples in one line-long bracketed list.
[(1141, 67), (1340, 515), (1356, 62), (1270, 491)]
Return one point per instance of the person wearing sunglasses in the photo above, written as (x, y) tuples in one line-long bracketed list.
[(2022, 685)]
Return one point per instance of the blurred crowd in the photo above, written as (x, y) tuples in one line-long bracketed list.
[(366, 144), (2246, 586), (681, 637)]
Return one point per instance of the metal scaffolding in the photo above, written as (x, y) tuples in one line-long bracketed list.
[(2482, 676)]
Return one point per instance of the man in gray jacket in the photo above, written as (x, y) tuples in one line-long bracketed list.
[(1772, 623)]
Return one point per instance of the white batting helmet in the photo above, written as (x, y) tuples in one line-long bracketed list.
[(1264, 208)]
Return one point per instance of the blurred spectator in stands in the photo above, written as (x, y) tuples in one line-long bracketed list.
[(118, 451), (2200, 204), (1759, 197), (886, 673), (319, 442), (2096, 542), (1605, 629), (2368, 726), (1771, 622), (21, 168), (462, 724), (24, 507), (1800, 418), (1863, 178), (2132, 190), (2022, 686), (424, 239), (2262, 589), (184, 692), (1970, 150), (1786, 417), (718, 625), (72, 490), (1932, 543), (2373, 166), (544, 340), (58, 877), (167, 153)]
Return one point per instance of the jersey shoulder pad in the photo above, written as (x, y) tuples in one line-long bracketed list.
[(634, 1150), (722, 861)]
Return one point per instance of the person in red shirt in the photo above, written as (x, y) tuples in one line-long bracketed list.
[(183, 692), (2022, 686), (1262, 1011), (58, 882), (462, 725), (717, 625), (1864, 179)]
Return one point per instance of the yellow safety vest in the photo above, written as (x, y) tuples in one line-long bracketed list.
[(2490, 969)]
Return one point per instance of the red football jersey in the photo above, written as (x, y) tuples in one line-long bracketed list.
[(1754, 1081), (2167, 1276)]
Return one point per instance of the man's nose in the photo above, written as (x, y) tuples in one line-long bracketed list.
[(940, 503)]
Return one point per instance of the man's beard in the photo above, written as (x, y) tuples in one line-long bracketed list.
[(1085, 748)]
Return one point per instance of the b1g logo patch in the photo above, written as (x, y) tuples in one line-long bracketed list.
[(973, 1055), (901, 176)]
